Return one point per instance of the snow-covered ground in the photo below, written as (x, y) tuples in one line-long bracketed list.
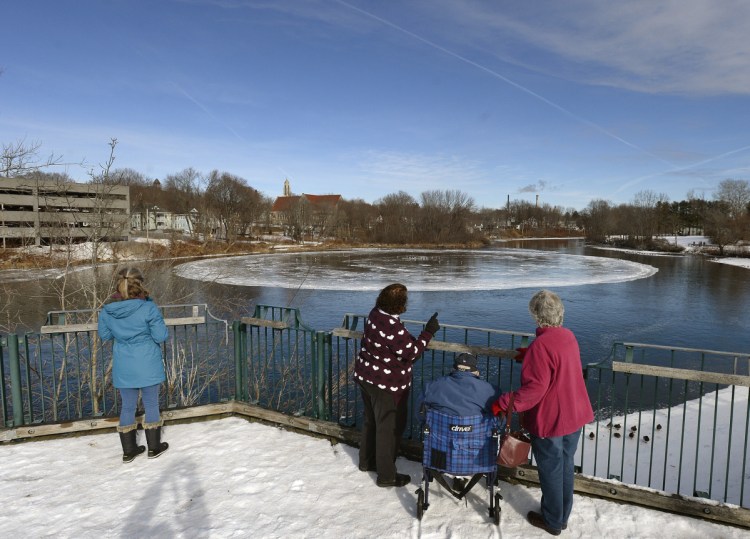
[(84, 251), (741, 262), (691, 244), (232, 478), (686, 448)]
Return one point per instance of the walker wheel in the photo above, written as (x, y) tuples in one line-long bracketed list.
[(420, 504)]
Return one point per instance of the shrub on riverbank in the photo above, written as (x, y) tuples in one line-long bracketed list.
[(78, 254), (651, 244)]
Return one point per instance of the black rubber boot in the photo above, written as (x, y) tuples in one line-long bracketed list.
[(155, 446), (130, 447)]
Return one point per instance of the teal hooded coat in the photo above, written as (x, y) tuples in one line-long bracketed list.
[(138, 329)]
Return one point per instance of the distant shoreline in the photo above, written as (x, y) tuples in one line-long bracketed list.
[(46, 263)]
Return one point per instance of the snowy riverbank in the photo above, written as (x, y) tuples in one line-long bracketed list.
[(231, 478), (691, 245)]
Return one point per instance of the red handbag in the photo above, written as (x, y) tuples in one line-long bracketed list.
[(514, 446)]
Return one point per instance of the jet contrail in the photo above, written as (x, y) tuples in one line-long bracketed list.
[(674, 168), (681, 169), (507, 81), (204, 109)]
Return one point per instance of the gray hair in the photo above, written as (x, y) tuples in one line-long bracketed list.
[(546, 309)]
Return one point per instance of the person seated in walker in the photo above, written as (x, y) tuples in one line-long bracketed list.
[(460, 393)]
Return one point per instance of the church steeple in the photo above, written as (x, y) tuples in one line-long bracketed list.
[(287, 188)]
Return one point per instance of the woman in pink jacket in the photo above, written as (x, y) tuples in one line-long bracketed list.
[(556, 405)]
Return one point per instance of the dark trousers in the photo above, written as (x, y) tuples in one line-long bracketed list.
[(383, 427)]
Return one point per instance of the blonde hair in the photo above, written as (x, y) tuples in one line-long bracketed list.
[(130, 284), (546, 309)]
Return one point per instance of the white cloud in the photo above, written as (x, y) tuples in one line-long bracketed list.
[(421, 170), (673, 46)]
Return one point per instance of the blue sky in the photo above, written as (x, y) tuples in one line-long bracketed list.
[(571, 101)]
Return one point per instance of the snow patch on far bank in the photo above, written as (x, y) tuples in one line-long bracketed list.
[(691, 245)]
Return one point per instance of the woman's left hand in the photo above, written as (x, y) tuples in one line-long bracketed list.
[(496, 410)]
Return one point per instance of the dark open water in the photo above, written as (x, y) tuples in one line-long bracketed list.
[(689, 302)]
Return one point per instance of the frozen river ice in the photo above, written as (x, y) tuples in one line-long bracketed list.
[(420, 270), (609, 296)]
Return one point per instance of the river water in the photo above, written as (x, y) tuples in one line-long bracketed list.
[(609, 296)]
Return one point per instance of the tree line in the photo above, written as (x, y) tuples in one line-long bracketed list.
[(725, 219), (226, 205)]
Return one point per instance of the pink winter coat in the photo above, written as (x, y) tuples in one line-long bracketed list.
[(553, 393)]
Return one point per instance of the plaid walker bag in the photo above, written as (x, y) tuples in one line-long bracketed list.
[(459, 446)]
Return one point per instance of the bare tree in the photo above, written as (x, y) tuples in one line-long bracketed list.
[(398, 218), (20, 158), (235, 204), (356, 220), (297, 218), (727, 218), (445, 215), (523, 215), (736, 195), (643, 225), (185, 192), (109, 218), (127, 176), (598, 220), (9, 308), (720, 227)]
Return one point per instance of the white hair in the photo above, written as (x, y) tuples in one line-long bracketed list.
[(546, 309)]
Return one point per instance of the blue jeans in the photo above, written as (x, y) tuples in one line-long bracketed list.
[(129, 397), (554, 460)]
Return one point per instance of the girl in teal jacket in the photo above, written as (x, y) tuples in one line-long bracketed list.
[(138, 329)]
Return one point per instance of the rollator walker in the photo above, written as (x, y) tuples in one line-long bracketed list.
[(462, 447)]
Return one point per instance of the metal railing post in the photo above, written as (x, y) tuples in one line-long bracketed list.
[(319, 387), (240, 353), (15, 380)]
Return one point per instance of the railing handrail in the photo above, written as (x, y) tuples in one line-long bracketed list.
[(682, 374), (288, 315), (683, 349), (196, 318), (442, 346), (356, 316)]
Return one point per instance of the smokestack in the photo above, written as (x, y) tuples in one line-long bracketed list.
[(537, 201)]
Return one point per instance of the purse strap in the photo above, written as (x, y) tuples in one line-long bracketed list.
[(508, 413)]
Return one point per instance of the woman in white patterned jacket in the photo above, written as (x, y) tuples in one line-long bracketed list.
[(383, 372)]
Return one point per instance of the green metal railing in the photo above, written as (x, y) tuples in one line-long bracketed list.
[(63, 372), (668, 418), (494, 350), (279, 362)]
